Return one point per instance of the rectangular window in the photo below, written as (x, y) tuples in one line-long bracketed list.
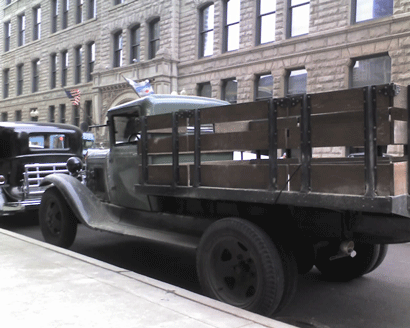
[(17, 115), (54, 15), (88, 113), (205, 90), (21, 20), (371, 9), (117, 2), (76, 116), (135, 44), (6, 82), (154, 38), (20, 79), (64, 67), (230, 90), (296, 82), (36, 23), (33, 114), (7, 35), (266, 21), (299, 12), (79, 16), (118, 49), (4, 117), (8, 2), (53, 71), (36, 75), (232, 15), (371, 71), (206, 32), (66, 7), (78, 61), (264, 87), (91, 61), (62, 113), (92, 9), (51, 114)]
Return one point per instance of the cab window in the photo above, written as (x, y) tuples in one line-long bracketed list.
[(127, 129), (48, 141)]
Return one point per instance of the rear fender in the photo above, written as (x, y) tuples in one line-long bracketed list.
[(85, 205)]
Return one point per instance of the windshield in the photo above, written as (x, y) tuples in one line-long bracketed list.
[(48, 141)]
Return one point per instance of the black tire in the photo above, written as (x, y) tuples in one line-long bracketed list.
[(382, 255), (57, 221), (347, 268), (238, 264)]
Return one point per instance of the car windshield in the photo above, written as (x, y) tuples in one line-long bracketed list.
[(48, 141)]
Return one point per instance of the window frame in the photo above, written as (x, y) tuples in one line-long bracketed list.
[(65, 10), (201, 87), (256, 86), (223, 90), (259, 18), (354, 60), (92, 9), (78, 64), (37, 23), (90, 60), (7, 35), (288, 74), (62, 113), (51, 113), (135, 43), (354, 13), (64, 67), (118, 48), (6, 83), (20, 79), (54, 16), (35, 77), (53, 70), (18, 115), (153, 40), (290, 18), (79, 12), (226, 26), (205, 32), (21, 19)]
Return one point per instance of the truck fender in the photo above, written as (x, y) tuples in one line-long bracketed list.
[(85, 205)]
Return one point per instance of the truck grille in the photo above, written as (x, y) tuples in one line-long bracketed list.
[(35, 173)]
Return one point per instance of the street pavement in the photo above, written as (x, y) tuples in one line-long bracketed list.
[(53, 287)]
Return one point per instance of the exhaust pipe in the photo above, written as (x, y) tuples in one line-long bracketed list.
[(346, 248)]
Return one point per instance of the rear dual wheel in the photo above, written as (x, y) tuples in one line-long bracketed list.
[(237, 263)]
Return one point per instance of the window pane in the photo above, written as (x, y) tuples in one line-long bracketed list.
[(268, 28), (371, 71), (300, 20), (267, 6), (371, 9), (230, 92), (208, 43), (233, 37), (205, 90), (297, 82), (233, 11), (264, 87), (208, 18)]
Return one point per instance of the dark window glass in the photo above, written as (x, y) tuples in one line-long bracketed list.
[(205, 90), (79, 16), (4, 117), (37, 23), (371, 71), (91, 60), (66, 7), (21, 30), (17, 115), (7, 35), (135, 44), (118, 49), (6, 83), (78, 61), (53, 71), (36, 75), (20, 79), (51, 114), (264, 87), (230, 91), (92, 8), (297, 82), (64, 67), (62, 113), (54, 15)]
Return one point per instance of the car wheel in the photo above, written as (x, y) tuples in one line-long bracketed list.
[(57, 221)]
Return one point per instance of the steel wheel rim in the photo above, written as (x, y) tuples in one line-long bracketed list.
[(53, 218), (234, 272)]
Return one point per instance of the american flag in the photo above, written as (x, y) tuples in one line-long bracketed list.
[(74, 95)]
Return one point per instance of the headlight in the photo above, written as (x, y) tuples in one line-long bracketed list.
[(2, 179)]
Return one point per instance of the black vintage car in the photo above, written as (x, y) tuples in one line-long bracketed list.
[(28, 152)]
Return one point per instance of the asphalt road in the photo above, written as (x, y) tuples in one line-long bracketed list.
[(378, 300)]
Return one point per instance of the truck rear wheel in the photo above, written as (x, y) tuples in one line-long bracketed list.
[(237, 263), (57, 221), (382, 255), (348, 268)]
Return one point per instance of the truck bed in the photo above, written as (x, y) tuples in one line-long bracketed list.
[(177, 163)]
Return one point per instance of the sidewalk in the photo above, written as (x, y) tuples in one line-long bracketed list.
[(45, 285)]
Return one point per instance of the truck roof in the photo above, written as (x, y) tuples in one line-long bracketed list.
[(161, 104)]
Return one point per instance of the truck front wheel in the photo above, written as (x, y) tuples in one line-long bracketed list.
[(348, 268), (57, 221), (237, 263)]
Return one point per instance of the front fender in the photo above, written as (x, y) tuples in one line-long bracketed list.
[(85, 205)]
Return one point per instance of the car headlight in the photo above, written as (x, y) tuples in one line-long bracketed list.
[(2, 179)]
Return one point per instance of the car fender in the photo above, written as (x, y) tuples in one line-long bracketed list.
[(85, 205)]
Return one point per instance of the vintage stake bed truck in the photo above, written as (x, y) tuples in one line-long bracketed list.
[(172, 175)]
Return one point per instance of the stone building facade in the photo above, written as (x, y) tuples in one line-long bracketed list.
[(224, 49)]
